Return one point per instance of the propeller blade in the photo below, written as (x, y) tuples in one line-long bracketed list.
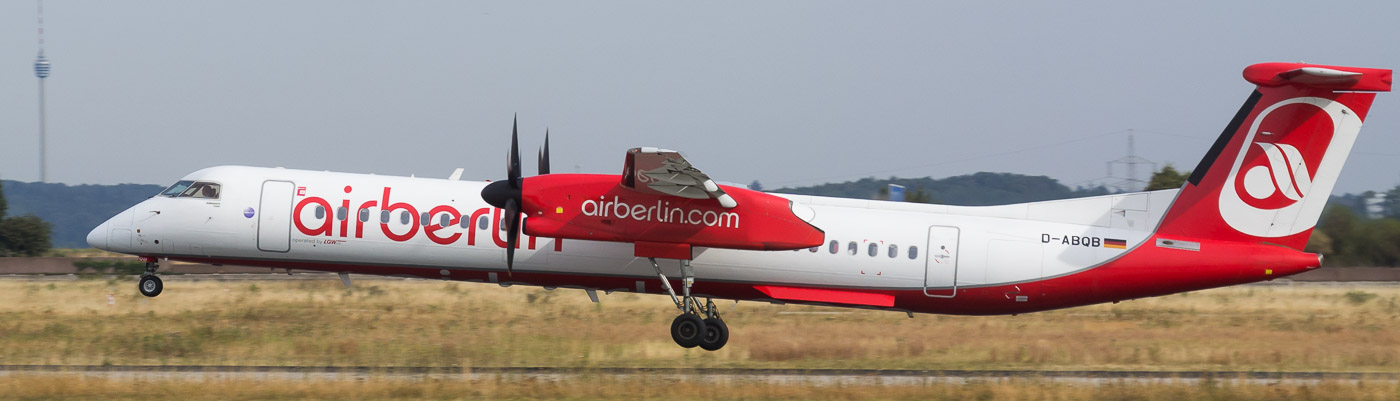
[(544, 154), (512, 211), (513, 170)]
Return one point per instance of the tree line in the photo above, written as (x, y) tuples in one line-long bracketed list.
[(26, 235)]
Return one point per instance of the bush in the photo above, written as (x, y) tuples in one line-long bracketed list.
[(25, 236)]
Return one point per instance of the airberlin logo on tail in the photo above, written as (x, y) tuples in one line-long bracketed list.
[(1291, 150), (1278, 176)]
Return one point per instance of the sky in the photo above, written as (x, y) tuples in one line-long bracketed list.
[(788, 93)]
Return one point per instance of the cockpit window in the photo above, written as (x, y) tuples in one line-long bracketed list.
[(175, 190), (193, 189)]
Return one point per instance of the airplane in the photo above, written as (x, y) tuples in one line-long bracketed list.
[(1244, 215)]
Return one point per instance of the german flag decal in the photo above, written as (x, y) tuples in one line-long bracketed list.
[(1115, 243)]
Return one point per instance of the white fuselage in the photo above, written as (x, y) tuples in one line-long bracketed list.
[(252, 222)]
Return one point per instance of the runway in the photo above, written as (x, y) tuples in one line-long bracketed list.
[(718, 375)]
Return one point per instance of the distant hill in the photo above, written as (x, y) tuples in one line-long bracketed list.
[(980, 189), (73, 210)]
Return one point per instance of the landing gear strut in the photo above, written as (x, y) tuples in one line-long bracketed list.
[(150, 284), (697, 325)]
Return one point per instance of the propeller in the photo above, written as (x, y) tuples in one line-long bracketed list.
[(508, 194), (544, 154)]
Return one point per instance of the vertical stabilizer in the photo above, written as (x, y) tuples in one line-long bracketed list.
[(1270, 173)]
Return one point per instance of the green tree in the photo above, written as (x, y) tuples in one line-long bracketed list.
[(1167, 178), (26, 235), (3, 205), (1390, 206), (1383, 242), (1340, 225)]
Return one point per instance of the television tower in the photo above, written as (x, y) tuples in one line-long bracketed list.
[(41, 69)]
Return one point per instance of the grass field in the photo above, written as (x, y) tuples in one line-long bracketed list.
[(432, 323)]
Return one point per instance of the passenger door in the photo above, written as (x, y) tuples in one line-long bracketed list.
[(941, 262), (275, 216)]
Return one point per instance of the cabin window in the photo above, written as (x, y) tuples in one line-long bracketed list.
[(384, 216), (341, 213), (913, 252), (835, 247), (364, 215), (484, 223), (445, 220), (424, 219), (894, 251), (874, 249), (320, 212), (814, 249), (466, 223), (405, 217), (852, 247)]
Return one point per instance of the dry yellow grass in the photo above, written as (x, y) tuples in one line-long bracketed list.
[(431, 323), (607, 388)]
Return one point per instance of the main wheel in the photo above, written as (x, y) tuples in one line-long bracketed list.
[(150, 286), (688, 330), (716, 335)]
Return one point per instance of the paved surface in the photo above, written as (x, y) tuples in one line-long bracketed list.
[(721, 375)]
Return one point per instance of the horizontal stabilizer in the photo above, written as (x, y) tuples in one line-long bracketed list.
[(1319, 76)]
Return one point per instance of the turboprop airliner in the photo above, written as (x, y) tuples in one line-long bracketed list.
[(664, 227)]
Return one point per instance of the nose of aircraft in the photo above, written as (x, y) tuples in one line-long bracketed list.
[(97, 238)]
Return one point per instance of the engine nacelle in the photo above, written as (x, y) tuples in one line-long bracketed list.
[(595, 207)]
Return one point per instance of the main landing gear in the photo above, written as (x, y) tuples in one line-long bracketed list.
[(150, 284), (697, 325)]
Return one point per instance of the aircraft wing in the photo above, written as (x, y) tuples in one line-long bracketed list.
[(667, 172)]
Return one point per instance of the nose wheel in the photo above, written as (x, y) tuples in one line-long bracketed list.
[(150, 284), (697, 325)]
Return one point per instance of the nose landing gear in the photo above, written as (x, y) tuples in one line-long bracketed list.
[(150, 284), (697, 325)]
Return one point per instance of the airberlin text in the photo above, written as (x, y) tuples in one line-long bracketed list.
[(1074, 240), (660, 212), (391, 214)]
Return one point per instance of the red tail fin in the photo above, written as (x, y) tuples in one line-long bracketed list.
[(1271, 171)]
